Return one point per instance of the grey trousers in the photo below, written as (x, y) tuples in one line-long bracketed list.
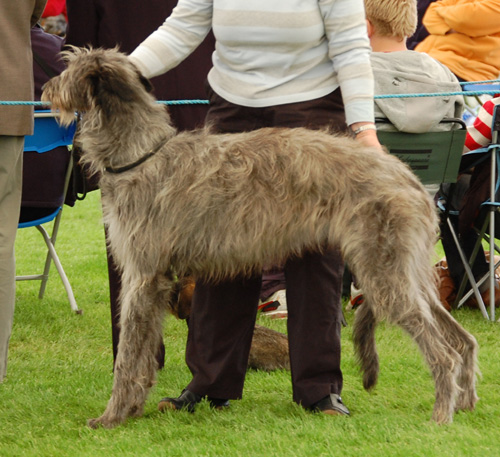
[(11, 169)]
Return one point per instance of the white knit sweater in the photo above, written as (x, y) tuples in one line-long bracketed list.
[(271, 52)]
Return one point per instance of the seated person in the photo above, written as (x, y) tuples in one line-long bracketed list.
[(464, 35), (398, 70), (470, 191)]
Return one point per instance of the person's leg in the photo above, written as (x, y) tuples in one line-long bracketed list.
[(325, 112), (222, 317), (314, 287), (455, 265), (221, 327), (214, 359), (11, 156), (314, 284), (466, 199)]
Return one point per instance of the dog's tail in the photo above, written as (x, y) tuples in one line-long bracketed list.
[(364, 344)]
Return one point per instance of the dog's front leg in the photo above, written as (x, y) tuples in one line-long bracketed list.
[(143, 304)]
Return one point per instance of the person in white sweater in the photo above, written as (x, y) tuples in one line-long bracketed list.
[(299, 63)]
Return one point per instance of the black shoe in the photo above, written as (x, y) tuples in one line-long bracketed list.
[(332, 405), (218, 403), (188, 400)]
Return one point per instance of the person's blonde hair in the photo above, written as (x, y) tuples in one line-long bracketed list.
[(392, 18)]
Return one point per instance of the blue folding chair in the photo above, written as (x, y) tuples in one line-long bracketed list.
[(47, 136)]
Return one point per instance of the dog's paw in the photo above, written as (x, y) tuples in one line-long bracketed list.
[(466, 401), (442, 416), (102, 422)]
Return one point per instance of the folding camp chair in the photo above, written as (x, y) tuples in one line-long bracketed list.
[(485, 223), (433, 156), (48, 135)]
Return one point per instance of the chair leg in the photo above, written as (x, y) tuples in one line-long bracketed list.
[(46, 269), (492, 266), (53, 237), (52, 255), (469, 275)]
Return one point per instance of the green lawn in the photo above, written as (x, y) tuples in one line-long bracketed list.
[(60, 375)]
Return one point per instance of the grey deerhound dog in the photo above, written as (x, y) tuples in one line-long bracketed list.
[(186, 202)]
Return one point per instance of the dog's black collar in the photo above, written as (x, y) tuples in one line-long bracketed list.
[(145, 157)]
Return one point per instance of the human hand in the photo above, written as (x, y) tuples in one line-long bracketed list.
[(369, 138)]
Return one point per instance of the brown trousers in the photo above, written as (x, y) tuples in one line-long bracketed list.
[(223, 314)]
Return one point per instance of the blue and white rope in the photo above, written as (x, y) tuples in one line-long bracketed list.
[(467, 93), (166, 102)]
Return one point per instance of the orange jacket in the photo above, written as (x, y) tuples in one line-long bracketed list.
[(464, 36)]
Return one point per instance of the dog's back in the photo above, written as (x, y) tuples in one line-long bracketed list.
[(283, 190)]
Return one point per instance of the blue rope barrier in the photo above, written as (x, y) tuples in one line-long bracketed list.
[(184, 102), (24, 103), (166, 102), (466, 93)]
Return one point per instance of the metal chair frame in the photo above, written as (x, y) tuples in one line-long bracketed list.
[(48, 134)]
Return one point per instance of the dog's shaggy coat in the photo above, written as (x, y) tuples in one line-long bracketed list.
[(221, 205)]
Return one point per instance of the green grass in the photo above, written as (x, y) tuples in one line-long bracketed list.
[(60, 375)]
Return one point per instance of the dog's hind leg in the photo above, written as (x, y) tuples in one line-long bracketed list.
[(364, 344), (466, 345), (443, 361), (143, 309)]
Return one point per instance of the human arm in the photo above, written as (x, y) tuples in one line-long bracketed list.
[(349, 50), (470, 18), (182, 32)]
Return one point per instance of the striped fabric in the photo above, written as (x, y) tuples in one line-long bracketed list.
[(479, 134), (271, 52)]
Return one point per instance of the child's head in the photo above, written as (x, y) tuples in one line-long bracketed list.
[(392, 18)]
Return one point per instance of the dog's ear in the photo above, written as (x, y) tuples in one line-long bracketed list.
[(117, 82)]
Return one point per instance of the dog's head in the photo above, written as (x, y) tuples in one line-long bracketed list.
[(96, 79)]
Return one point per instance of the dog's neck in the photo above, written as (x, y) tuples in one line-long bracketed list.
[(110, 143), (138, 162)]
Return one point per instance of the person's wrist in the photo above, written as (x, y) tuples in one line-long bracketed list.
[(368, 137), (363, 128)]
